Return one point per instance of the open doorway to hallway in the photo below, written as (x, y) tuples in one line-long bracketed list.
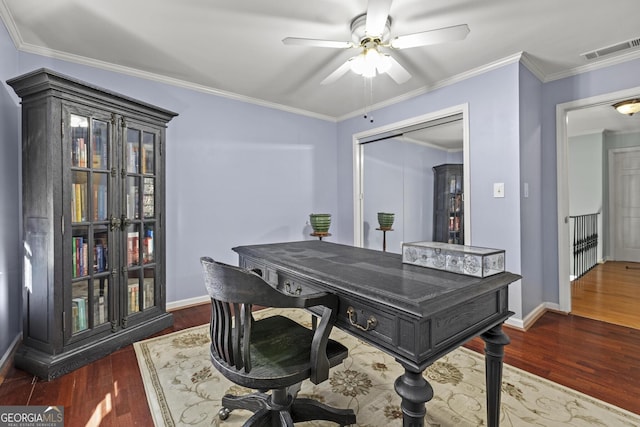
[(603, 189)]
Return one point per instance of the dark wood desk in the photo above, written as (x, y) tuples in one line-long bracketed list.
[(415, 314)]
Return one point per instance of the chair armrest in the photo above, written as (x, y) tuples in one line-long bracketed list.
[(319, 360)]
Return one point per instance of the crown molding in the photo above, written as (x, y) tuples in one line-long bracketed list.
[(51, 53), (442, 83), (10, 24), (603, 63)]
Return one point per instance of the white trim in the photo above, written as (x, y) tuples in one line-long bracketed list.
[(533, 316), (601, 63), (51, 53), (358, 161), (6, 357), (176, 305), (562, 161)]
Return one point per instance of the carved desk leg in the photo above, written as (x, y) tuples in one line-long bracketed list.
[(415, 391), (495, 340)]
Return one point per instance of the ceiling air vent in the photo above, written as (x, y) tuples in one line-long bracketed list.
[(629, 44)]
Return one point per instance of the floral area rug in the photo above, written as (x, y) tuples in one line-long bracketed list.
[(183, 388)]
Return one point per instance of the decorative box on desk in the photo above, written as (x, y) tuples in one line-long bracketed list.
[(468, 260)]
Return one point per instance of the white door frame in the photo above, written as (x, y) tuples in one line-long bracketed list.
[(562, 169), (358, 154)]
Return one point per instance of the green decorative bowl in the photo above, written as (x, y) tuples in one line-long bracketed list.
[(320, 222), (385, 220)]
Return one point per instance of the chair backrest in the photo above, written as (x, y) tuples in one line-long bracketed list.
[(233, 293)]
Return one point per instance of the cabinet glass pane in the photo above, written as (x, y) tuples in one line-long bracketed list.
[(148, 197), (100, 300), (148, 248), (79, 306), (133, 291), (133, 245), (133, 197), (100, 251), (79, 196), (149, 286), (99, 195), (148, 153), (133, 151), (99, 144), (80, 252), (79, 140)]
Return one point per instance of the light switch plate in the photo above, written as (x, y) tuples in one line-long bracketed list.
[(498, 189)]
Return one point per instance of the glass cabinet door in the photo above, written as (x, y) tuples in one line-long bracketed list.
[(140, 222), (90, 235)]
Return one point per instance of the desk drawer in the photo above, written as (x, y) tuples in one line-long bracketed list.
[(294, 286), (371, 323), (361, 319), (269, 275)]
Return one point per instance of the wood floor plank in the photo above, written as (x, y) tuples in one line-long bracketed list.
[(610, 292)]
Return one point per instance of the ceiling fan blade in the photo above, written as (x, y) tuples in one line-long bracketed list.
[(317, 43), (441, 35), (339, 72), (377, 14), (397, 72)]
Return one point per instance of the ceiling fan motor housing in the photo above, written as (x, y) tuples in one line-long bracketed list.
[(361, 38)]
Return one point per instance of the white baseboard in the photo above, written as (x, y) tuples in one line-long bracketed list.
[(535, 314), (176, 305), (7, 357)]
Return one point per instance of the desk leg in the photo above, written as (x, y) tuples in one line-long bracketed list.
[(495, 340), (415, 391)]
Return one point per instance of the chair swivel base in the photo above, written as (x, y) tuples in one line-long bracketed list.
[(283, 406)]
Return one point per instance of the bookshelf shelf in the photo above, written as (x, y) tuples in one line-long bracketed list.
[(93, 202)]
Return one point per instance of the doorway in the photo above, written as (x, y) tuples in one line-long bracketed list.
[(603, 106)]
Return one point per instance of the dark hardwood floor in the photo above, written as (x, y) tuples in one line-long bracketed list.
[(596, 358)]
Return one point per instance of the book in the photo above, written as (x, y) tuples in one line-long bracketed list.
[(132, 248), (81, 317), (99, 311), (134, 302)]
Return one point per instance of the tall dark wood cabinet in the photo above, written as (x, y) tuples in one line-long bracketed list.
[(448, 204), (93, 199)]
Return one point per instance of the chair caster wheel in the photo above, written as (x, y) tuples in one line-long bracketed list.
[(223, 413)]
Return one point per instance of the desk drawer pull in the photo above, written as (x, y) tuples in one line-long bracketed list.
[(353, 318), (287, 288)]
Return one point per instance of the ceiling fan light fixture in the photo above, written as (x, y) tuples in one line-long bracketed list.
[(370, 62), (629, 106)]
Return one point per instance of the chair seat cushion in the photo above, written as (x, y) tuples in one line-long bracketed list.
[(280, 355)]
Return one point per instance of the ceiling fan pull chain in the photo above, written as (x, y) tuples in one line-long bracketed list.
[(368, 100)]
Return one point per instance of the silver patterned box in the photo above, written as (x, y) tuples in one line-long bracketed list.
[(467, 260)]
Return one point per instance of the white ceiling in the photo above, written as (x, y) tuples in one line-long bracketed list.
[(234, 47)]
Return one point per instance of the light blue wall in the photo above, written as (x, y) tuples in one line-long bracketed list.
[(10, 260), (237, 173), (494, 157), (530, 107), (586, 196)]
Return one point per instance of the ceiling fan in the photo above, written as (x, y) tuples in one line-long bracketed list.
[(371, 34)]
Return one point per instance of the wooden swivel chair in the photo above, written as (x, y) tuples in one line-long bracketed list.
[(274, 353)]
